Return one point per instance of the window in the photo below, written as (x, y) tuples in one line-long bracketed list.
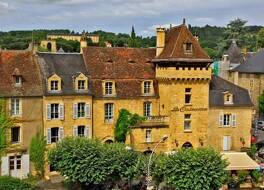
[(81, 131), (187, 122), (147, 109), (81, 84), (15, 106), (188, 95), (81, 110), (227, 119), (109, 112), (226, 143), (18, 80), (54, 111), (15, 135), (147, 87), (108, 88), (54, 85), (15, 162), (188, 48), (148, 136), (54, 134), (228, 99)]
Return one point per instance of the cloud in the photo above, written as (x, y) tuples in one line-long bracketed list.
[(4, 8)]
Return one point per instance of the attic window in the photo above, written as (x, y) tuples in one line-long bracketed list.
[(131, 61), (188, 47), (109, 60), (18, 80), (228, 98)]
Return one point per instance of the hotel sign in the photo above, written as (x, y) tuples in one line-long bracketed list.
[(188, 109)]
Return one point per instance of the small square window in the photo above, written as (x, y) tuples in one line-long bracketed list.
[(18, 80), (188, 47)]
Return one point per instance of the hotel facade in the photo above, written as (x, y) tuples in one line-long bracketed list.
[(171, 85)]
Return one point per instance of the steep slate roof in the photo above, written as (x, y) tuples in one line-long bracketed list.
[(20, 63), (66, 66), (175, 37), (234, 53), (216, 93), (254, 64), (128, 67)]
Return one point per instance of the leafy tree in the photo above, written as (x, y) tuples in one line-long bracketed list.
[(260, 38), (37, 153), (124, 122), (236, 30), (261, 103), (195, 169), (91, 163), (5, 123)]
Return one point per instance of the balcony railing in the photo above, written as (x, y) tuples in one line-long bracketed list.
[(155, 121)]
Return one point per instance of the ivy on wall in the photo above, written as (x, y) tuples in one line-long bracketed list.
[(124, 123), (37, 153)]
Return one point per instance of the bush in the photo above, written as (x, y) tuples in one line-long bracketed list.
[(256, 175), (242, 175), (10, 183)]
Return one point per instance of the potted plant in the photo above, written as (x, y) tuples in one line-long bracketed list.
[(257, 178), (244, 179)]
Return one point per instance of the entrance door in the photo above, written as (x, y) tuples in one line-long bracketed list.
[(15, 166)]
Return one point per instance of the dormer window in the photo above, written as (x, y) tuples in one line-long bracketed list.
[(18, 80), (228, 98), (188, 47), (108, 88), (81, 84), (54, 85), (147, 88)]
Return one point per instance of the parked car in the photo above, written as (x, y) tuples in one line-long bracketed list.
[(260, 125)]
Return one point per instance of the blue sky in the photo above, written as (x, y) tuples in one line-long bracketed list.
[(120, 15)]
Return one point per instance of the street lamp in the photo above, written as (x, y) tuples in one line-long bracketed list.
[(149, 179)]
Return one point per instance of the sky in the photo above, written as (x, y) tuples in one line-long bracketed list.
[(119, 15)]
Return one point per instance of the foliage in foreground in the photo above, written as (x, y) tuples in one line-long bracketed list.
[(90, 163), (37, 153), (10, 183)]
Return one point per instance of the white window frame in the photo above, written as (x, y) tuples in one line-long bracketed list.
[(147, 109), (15, 106), (147, 87), (109, 112), (81, 110), (227, 119), (18, 80), (53, 111), (148, 136), (81, 87), (109, 88)]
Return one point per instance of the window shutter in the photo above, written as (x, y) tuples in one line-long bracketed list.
[(5, 166), (61, 111), (75, 131), (221, 118), (233, 120), (48, 112), (226, 143), (87, 110), (20, 106), (49, 136), (61, 133), (87, 131), (229, 142), (75, 110), (25, 165)]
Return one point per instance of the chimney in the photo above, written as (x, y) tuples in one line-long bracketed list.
[(160, 43), (184, 21)]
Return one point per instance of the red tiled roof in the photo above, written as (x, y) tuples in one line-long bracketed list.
[(128, 67), (175, 38), (19, 63)]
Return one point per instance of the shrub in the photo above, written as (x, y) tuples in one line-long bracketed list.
[(242, 175), (10, 183), (256, 175)]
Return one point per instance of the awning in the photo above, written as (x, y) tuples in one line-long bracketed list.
[(239, 161)]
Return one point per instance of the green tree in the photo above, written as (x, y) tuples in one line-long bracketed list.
[(261, 103), (124, 123), (91, 163), (260, 38), (37, 153), (195, 169), (133, 39), (5, 123), (236, 31)]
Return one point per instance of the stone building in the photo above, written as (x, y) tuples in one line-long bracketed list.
[(171, 85), (250, 75), (21, 88)]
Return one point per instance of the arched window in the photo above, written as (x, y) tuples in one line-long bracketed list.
[(109, 141), (49, 46)]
